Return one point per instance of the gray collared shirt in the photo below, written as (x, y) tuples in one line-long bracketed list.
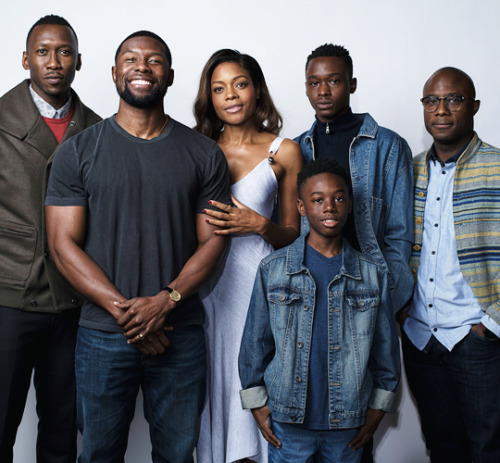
[(46, 110)]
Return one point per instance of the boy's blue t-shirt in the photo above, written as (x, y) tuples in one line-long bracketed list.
[(323, 270)]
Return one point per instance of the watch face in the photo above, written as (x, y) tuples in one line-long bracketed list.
[(175, 296)]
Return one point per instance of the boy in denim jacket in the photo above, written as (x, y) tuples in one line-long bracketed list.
[(319, 360)]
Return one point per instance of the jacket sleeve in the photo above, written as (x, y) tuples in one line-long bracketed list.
[(384, 363), (398, 235), (257, 346)]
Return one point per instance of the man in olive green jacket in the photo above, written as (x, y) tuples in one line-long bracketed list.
[(38, 308)]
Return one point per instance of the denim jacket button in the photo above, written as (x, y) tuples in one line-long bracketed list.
[(300, 345), (282, 297), (306, 308), (293, 418), (298, 379)]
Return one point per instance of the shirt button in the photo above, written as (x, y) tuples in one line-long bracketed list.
[(436, 225), (419, 221), (438, 199), (431, 279), (443, 172), (416, 247), (433, 253), (420, 194), (74, 300), (430, 305), (435, 329), (33, 303)]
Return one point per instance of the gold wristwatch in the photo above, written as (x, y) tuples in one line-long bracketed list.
[(174, 295)]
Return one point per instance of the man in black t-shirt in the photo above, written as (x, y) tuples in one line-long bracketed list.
[(126, 226)]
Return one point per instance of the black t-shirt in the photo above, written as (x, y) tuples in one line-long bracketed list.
[(142, 198)]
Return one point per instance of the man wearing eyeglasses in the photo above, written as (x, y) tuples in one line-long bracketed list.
[(451, 332)]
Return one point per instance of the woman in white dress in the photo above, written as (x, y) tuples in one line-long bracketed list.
[(234, 108)]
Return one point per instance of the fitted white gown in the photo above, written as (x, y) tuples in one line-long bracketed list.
[(229, 433)]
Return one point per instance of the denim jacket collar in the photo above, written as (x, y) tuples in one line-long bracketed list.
[(295, 259)]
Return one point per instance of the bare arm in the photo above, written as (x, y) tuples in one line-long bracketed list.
[(66, 226), (243, 220)]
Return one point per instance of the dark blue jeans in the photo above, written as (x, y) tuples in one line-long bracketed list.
[(457, 395), (109, 373), (299, 445)]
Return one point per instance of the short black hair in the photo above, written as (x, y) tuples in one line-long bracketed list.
[(146, 34), (330, 50), (322, 166), (51, 19)]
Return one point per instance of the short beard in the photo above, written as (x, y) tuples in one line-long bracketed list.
[(141, 101)]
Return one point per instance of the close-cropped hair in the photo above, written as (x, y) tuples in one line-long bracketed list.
[(168, 55), (322, 166), (335, 51), (266, 117), (51, 19)]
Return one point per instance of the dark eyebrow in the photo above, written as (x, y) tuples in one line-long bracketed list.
[(232, 80), (314, 76)]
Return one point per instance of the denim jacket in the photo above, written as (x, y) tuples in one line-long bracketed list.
[(363, 353), (382, 181)]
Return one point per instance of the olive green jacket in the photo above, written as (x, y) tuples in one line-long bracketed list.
[(29, 279)]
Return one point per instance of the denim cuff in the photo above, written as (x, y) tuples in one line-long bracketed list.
[(253, 397), (383, 400)]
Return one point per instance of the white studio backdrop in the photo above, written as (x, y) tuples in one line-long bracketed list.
[(395, 45)]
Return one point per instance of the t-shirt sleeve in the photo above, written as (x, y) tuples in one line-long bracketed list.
[(66, 186), (216, 183)]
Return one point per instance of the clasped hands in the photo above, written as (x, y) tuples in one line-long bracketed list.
[(143, 322), (238, 219)]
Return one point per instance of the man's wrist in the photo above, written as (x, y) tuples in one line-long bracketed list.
[(174, 295)]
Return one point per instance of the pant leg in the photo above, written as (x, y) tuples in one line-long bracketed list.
[(433, 388), (55, 387), (334, 447), (18, 351), (108, 376), (475, 364), (174, 386), (298, 445)]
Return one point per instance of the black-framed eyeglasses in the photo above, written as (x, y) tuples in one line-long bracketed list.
[(452, 102)]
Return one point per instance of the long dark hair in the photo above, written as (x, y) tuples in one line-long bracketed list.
[(266, 116)]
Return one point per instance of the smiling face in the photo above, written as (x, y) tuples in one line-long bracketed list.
[(325, 201), (234, 96), (451, 130), (329, 87), (142, 72), (52, 59)]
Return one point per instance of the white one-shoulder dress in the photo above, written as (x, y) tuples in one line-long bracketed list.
[(228, 433)]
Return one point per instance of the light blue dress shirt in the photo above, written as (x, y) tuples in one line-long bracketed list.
[(443, 303)]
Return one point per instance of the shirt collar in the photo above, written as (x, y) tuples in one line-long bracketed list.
[(452, 159), (46, 110)]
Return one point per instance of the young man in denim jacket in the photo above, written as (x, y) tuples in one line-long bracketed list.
[(319, 359), (378, 160)]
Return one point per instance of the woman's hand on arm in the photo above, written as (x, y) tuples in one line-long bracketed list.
[(242, 220)]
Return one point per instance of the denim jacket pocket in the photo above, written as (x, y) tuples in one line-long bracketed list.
[(284, 301), (362, 299)]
